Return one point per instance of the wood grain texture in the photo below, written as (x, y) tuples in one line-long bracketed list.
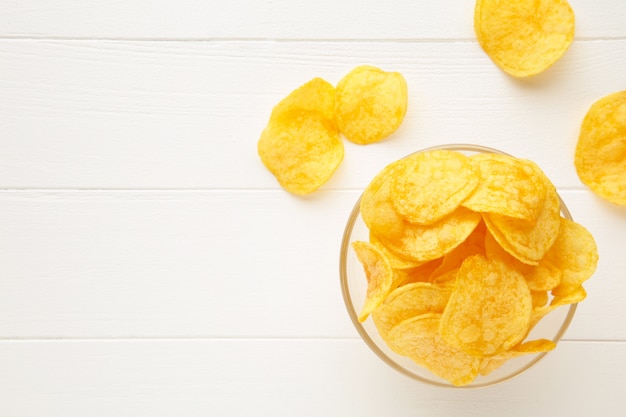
[(275, 19), (152, 266), (285, 378), (109, 114), (172, 264)]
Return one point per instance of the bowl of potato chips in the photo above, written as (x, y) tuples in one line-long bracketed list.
[(461, 266)]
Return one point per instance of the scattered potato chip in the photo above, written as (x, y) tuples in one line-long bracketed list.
[(418, 338), (301, 145), (371, 104), (430, 185), (408, 301), (600, 157), (524, 37), (508, 186), (315, 96), (489, 308), (378, 273)]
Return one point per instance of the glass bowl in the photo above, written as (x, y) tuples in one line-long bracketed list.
[(354, 285)]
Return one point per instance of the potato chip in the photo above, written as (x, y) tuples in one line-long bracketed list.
[(541, 277), (508, 186), (423, 272), (400, 277), (408, 301), (301, 145), (575, 254), (473, 245), (528, 241), (378, 273), (316, 96), (425, 243), (575, 296), (490, 364), (377, 209), (396, 260), (540, 298), (445, 280), (524, 37), (489, 309), (430, 185), (371, 104), (418, 338), (600, 157)]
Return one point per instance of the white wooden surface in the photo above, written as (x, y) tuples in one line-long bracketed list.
[(152, 266)]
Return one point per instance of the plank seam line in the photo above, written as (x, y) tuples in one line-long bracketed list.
[(225, 339), (268, 40), (573, 188)]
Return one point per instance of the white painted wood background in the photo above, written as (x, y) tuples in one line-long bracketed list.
[(152, 267)]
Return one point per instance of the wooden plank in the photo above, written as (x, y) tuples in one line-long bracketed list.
[(196, 263), (279, 19), (105, 114), (215, 263), (285, 378)]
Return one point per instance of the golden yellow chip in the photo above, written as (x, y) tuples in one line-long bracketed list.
[(524, 37), (541, 277), (379, 276), (600, 158), (540, 298), (371, 104), (400, 277), (418, 338), (489, 309), (445, 280), (526, 240), (408, 301), (376, 206), (473, 245), (315, 96), (425, 243), (575, 296), (489, 364), (428, 186), (301, 145), (575, 254), (396, 260), (508, 186), (423, 272)]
